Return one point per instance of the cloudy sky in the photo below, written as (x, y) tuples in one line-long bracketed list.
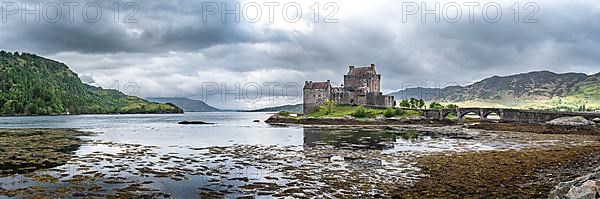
[(184, 48)]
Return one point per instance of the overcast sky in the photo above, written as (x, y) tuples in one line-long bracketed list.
[(176, 48)]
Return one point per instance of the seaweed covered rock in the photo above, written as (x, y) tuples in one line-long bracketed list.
[(570, 121), (25, 150), (195, 122)]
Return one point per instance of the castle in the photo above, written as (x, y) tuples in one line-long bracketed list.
[(361, 87)]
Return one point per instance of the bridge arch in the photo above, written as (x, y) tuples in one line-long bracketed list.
[(449, 114), (463, 114), (492, 115)]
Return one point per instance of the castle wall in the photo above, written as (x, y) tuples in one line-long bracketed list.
[(380, 100), (313, 98)]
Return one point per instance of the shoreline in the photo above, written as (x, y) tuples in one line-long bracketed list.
[(1, 116), (490, 125)]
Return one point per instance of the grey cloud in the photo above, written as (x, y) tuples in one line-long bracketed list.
[(566, 39)]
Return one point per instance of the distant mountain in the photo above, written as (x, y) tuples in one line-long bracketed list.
[(538, 85), (186, 104), (297, 108), (33, 85)]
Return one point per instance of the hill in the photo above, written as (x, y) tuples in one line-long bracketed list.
[(297, 108), (33, 85), (539, 89), (186, 104)]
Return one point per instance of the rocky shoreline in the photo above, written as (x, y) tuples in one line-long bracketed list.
[(543, 128), (540, 128)]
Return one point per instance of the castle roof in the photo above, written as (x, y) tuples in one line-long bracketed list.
[(317, 85), (354, 71)]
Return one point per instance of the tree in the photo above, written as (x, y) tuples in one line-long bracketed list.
[(405, 104), (436, 105), (413, 103), (452, 106), (421, 103)]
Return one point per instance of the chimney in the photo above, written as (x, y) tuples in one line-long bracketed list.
[(373, 66), (351, 67), (305, 82)]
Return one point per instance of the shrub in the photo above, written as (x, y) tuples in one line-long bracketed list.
[(398, 112), (284, 113), (360, 112), (389, 112), (327, 106)]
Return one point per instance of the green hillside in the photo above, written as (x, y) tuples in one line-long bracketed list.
[(296, 108), (33, 85), (188, 105), (537, 90)]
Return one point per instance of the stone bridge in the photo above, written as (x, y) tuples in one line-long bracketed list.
[(509, 115)]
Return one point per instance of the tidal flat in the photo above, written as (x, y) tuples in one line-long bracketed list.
[(410, 161), (25, 150)]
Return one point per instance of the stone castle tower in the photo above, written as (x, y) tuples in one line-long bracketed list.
[(362, 86)]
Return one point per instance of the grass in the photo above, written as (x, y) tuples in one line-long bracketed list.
[(339, 111)]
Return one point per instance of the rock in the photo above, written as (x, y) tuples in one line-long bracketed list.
[(194, 122), (417, 118), (596, 120), (585, 187), (380, 117), (588, 190), (256, 121), (570, 121), (348, 117)]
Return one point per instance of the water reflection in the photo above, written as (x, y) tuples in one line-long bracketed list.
[(349, 138)]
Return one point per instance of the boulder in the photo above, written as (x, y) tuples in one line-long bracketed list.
[(570, 121), (585, 187), (589, 189), (596, 120)]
